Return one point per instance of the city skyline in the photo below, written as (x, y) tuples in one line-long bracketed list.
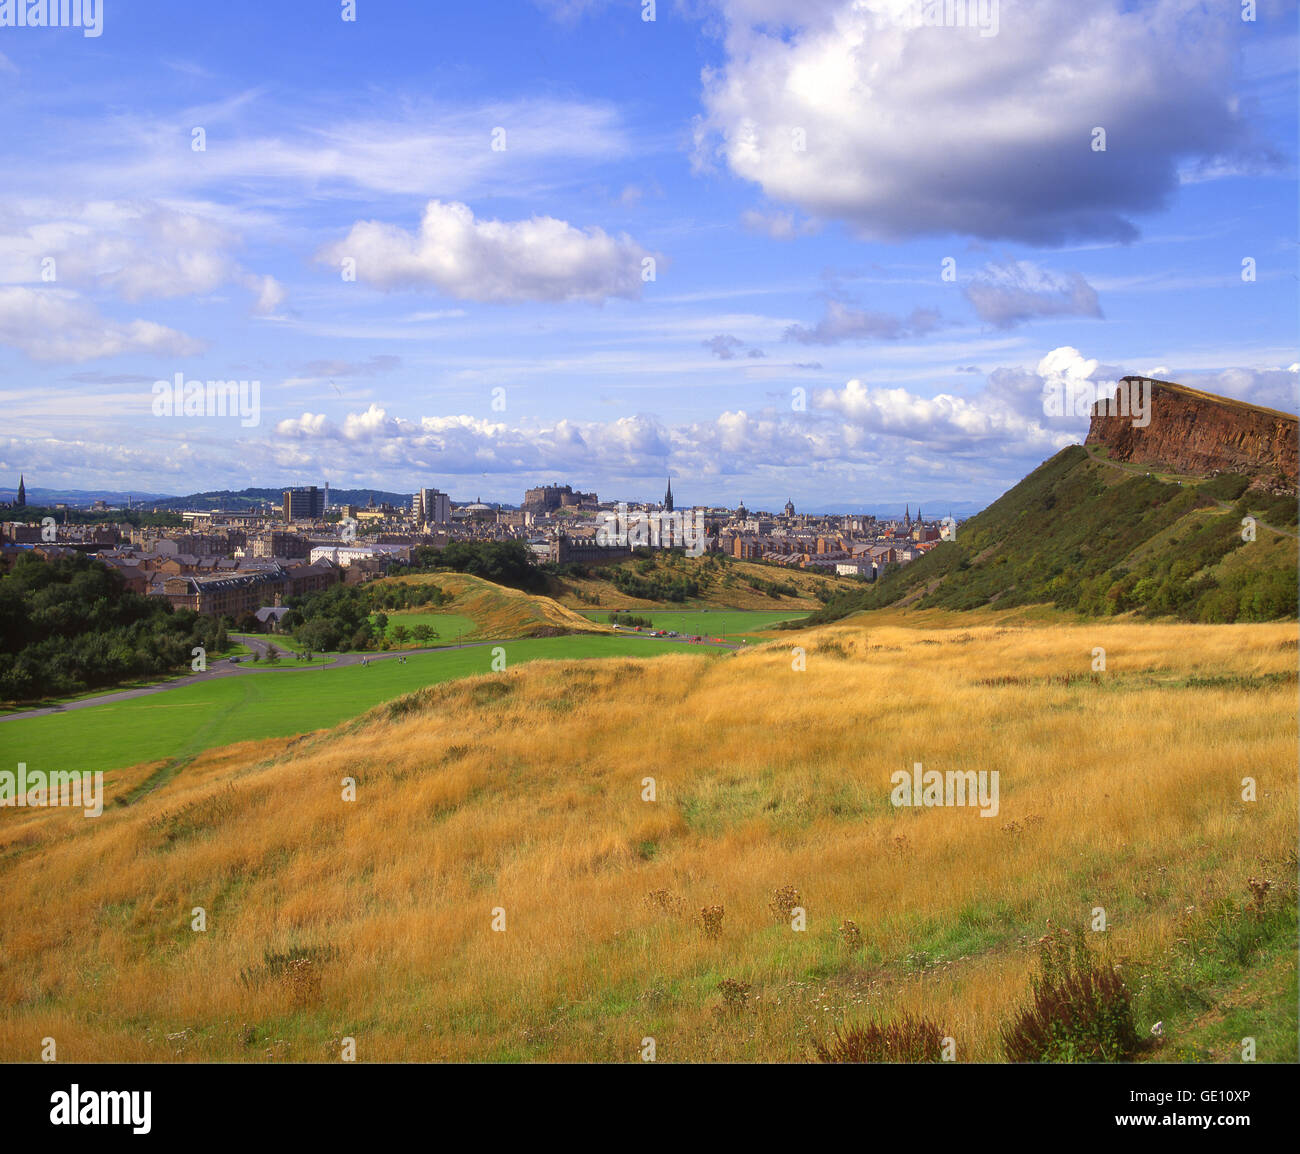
[(140, 499)]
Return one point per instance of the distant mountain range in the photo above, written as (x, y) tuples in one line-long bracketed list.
[(232, 501), (214, 499), (81, 497)]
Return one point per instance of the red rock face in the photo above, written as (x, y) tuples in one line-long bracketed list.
[(1194, 432)]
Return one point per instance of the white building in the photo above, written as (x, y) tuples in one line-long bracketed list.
[(344, 555)]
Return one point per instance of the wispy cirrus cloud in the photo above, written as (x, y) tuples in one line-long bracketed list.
[(1006, 295), (843, 322)]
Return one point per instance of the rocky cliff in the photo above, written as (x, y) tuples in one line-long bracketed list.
[(1189, 431)]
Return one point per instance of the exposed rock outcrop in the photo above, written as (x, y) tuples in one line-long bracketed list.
[(1189, 431)]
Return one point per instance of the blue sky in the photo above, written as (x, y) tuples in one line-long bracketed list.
[(911, 224)]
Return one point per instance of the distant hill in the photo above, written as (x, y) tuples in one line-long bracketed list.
[(78, 498), (232, 501)]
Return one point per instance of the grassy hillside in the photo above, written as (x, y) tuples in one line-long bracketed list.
[(711, 581), (497, 612), (520, 794), (1099, 539)]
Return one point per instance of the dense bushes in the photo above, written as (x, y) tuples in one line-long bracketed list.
[(71, 625), (507, 563), (655, 587), (772, 588), (338, 619), (631, 620), (1080, 1010)]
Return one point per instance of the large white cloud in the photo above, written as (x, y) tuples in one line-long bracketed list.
[(491, 260), (845, 111), (56, 325), (135, 250)]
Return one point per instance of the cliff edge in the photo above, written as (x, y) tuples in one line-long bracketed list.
[(1188, 431)]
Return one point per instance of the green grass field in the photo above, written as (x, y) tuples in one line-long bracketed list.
[(444, 624), (236, 649), (287, 659), (710, 623), (242, 707)]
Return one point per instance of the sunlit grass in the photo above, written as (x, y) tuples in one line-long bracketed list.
[(523, 791)]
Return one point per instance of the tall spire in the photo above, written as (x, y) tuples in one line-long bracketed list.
[(22, 492), (668, 496)]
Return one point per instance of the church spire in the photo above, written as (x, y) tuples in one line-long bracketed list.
[(668, 496), (22, 492)]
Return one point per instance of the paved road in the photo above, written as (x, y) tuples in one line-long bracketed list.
[(221, 667)]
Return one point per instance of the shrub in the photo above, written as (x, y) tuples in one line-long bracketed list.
[(784, 902), (712, 918), (1080, 1010), (735, 994), (907, 1039)]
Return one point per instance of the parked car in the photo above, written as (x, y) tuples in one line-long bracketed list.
[(672, 633), (234, 661)]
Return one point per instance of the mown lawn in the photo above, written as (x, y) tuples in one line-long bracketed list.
[(732, 623), (445, 625)]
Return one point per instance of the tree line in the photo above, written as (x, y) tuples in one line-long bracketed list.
[(71, 625)]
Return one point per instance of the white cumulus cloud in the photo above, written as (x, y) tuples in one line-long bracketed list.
[(538, 259), (842, 109)]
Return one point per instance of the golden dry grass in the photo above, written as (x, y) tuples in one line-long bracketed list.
[(502, 613), (523, 791)]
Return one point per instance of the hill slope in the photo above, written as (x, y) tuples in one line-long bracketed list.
[(713, 581), (500, 612), (1101, 538)]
